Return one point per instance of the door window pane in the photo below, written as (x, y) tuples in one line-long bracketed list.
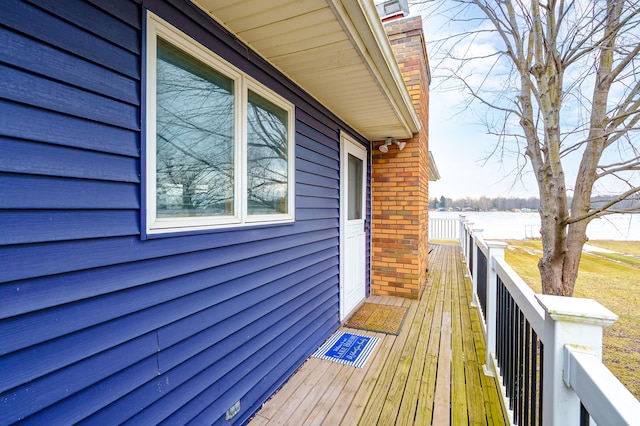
[(267, 157), (354, 197), (195, 128)]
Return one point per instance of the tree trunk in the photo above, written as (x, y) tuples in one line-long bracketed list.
[(553, 214), (565, 238)]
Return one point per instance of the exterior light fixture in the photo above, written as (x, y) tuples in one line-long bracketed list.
[(388, 141), (385, 146)]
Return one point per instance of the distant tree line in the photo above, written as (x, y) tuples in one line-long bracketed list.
[(531, 203), (484, 203)]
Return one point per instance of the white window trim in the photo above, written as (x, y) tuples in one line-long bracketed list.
[(156, 26), (257, 88)]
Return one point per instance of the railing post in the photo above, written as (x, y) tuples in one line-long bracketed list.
[(462, 234), (496, 251), (477, 234), (568, 321), (467, 232)]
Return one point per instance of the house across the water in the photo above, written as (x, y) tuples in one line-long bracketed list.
[(194, 195)]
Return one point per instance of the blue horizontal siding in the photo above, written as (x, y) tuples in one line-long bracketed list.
[(100, 325), (23, 122), (279, 370), (39, 394), (24, 296), (91, 19), (110, 361), (308, 142), (126, 11), (316, 214), (78, 407), (313, 336), (35, 57), (89, 341), (313, 179), (38, 192), (318, 128), (318, 203), (312, 157), (248, 345), (200, 406), (45, 159), (304, 190), (197, 292), (199, 324), (23, 227), (40, 25), (318, 169), (71, 256), (19, 86)]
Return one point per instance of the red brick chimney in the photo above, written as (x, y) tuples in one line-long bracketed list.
[(400, 181)]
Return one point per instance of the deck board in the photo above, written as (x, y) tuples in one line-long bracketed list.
[(431, 373)]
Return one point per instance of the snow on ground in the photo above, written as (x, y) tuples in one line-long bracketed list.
[(593, 249)]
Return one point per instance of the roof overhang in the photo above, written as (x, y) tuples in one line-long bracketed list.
[(336, 50), (434, 174)]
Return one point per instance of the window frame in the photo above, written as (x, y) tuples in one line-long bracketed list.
[(154, 225)]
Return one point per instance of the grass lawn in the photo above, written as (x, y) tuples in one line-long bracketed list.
[(613, 279)]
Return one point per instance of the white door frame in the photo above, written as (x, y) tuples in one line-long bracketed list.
[(349, 145)]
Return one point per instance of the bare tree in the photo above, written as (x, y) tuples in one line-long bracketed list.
[(560, 84)]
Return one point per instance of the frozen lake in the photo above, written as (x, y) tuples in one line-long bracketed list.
[(520, 226)]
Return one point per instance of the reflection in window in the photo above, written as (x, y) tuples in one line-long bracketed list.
[(195, 128), (354, 196), (267, 157), (221, 145)]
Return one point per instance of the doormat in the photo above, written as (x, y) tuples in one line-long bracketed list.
[(381, 318), (347, 348)]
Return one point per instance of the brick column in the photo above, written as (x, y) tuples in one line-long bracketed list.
[(400, 181)]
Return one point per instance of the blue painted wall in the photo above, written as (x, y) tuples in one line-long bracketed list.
[(96, 323)]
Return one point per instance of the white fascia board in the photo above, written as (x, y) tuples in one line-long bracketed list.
[(434, 174), (361, 21)]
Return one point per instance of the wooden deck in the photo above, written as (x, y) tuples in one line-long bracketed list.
[(431, 373)]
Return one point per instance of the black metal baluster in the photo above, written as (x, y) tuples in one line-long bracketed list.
[(510, 360), (521, 369), (499, 321), (528, 395), (584, 416), (516, 370), (507, 316), (482, 282), (470, 253), (514, 351), (540, 397)]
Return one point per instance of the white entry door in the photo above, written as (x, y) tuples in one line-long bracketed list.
[(353, 240)]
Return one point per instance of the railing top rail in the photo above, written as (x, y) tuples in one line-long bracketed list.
[(523, 295), (559, 322), (482, 245), (599, 389)]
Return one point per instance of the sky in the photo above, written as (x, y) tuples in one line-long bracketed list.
[(469, 160), (460, 144)]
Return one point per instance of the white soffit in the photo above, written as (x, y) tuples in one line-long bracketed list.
[(336, 50)]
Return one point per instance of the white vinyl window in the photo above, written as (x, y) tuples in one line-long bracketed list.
[(219, 146)]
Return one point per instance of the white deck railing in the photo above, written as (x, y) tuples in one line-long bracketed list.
[(546, 350), (444, 229)]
